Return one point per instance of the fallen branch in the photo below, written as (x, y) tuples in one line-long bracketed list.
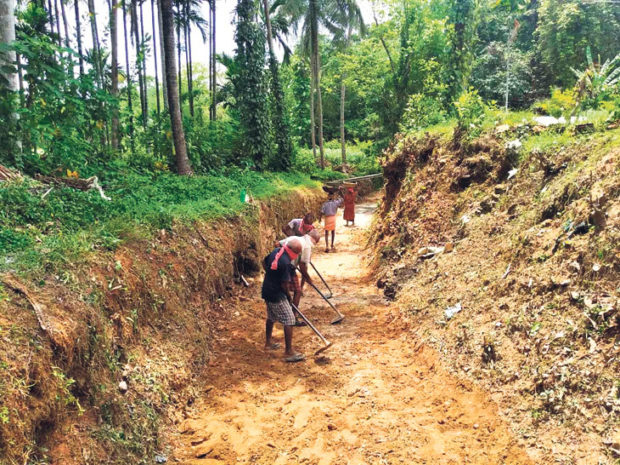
[(75, 183), (7, 174)]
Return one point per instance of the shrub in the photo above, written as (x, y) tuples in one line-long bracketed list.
[(422, 111), (561, 103), (470, 110)]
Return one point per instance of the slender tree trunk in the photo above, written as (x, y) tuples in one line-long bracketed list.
[(7, 36), (343, 145), (280, 122), (20, 75), (190, 75), (136, 37), (314, 36), (126, 35), (78, 33), (312, 112), (57, 18), (95, 35), (143, 65), (188, 38), (155, 57), (164, 84), (179, 67), (319, 106), (114, 72), (213, 112), (182, 161), (63, 12), (65, 23), (50, 16)]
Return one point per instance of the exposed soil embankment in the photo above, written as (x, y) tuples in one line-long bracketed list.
[(507, 262), (94, 360)]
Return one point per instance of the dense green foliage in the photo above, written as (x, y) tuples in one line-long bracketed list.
[(38, 229)]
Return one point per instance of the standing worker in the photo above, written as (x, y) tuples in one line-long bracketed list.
[(349, 206), (276, 293), (329, 210)]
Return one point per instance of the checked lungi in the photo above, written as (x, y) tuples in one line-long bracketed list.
[(281, 311)]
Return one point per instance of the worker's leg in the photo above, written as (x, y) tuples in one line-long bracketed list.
[(268, 332), (333, 237), (288, 340), (326, 241)]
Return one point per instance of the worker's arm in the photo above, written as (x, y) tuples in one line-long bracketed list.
[(285, 288), (303, 267), (287, 230)]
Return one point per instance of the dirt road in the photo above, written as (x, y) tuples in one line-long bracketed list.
[(376, 397)]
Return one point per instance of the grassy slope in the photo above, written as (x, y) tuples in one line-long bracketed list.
[(42, 234)]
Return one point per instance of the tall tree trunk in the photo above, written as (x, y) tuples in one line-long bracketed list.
[(188, 76), (126, 35), (343, 145), (143, 65), (164, 84), (314, 37), (280, 122), (78, 33), (57, 18), (63, 11), (136, 37), (312, 112), (50, 16), (155, 57), (182, 161), (7, 36), (95, 36), (179, 69), (114, 72), (213, 112)]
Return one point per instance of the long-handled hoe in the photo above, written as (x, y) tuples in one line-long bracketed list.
[(340, 316), (316, 331), (331, 294)]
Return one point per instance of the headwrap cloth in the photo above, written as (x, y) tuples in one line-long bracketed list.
[(284, 248), (303, 227)]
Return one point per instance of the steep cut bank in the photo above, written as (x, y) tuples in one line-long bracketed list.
[(503, 254), (95, 360)]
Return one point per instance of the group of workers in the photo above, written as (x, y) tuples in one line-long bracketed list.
[(282, 287)]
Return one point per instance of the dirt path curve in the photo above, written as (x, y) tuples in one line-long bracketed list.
[(376, 397)]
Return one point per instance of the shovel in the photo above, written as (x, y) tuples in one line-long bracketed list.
[(316, 331)]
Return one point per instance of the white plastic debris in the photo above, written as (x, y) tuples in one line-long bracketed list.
[(549, 120), (465, 219), (451, 311), (512, 173), (122, 386), (514, 145)]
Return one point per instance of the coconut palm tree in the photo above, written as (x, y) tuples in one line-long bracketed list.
[(346, 18), (174, 106), (311, 14)]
